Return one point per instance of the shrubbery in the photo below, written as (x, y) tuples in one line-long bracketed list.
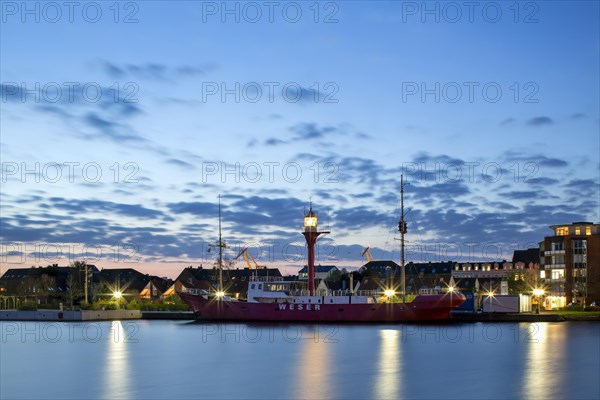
[(27, 306)]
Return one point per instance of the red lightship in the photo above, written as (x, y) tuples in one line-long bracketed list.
[(275, 299)]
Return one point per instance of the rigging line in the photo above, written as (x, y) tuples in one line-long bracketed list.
[(416, 227), (391, 230)]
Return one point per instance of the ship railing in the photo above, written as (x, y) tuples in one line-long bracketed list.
[(194, 291), (366, 293), (431, 291), (265, 278), (335, 293)]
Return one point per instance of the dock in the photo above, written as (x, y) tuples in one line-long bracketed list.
[(69, 316)]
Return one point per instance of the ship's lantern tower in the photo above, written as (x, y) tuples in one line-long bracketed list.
[(310, 222), (311, 233)]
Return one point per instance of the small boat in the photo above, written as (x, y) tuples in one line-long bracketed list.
[(275, 299)]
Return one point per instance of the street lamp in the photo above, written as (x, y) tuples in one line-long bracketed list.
[(117, 296), (490, 296), (538, 293)]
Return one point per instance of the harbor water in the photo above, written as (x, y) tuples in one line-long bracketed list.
[(181, 359)]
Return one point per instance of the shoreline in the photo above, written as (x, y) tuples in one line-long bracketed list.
[(107, 315)]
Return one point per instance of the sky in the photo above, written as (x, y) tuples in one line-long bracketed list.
[(122, 122)]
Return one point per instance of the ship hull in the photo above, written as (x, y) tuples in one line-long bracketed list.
[(435, 307)]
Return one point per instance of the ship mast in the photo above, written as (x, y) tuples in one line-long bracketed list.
[(402, 229), (220, 250)]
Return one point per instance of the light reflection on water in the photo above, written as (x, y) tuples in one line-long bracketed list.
[(313, 373), (540, 376), (390, 362), (170, 359), (117, 367)]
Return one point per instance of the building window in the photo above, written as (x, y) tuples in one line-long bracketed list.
[(562, 231), (588, 230), (555, 246), (558, 259), (579, 272), (578, 230), (543, 274), (558, 274)]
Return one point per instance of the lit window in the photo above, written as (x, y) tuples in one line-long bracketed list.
[(543, 274), (558, 274), (562, 231), (577, 230), (588, 230)]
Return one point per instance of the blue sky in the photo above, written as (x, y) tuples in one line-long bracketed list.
[(491, 113)]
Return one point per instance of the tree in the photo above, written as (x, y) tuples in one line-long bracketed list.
[(335, 276), (74, 287), (227, 263), (81, 267), (47, 286), (28, 287), (522, 281)]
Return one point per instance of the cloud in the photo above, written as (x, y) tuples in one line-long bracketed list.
[(274, 142), (507, 122), (308, 131), (519, 195), (200, 209), (303, 95), (534, 159), (98, 114), (303, 132), (542, 181), (180, 163), (550, 162), (86, 206), (10, 92), (578, 116), (583, 184), (154, 71), (108, 129), (360, 217), (540, 121)]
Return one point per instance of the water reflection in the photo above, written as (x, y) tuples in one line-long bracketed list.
[(388, 377), (314, 370), (542, 355), (117, 366)]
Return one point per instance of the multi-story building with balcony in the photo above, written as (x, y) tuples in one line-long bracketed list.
[(571, 264)]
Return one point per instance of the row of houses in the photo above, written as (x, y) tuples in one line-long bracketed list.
[(46, 284), (67, 283)]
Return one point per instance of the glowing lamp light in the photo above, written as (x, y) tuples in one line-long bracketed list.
[(117, 295), (310, 222), (220, 293), (490, 294), (389, 292), (451, 289), (538, 292)]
